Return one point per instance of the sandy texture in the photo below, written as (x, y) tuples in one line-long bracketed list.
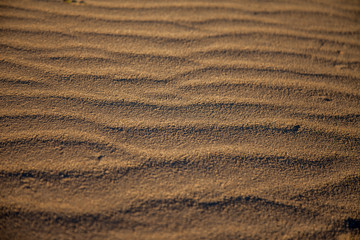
[(180, 119)]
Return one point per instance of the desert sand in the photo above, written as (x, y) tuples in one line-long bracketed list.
[(180, 119)]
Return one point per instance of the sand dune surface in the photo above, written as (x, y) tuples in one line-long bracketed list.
[(232, 119)]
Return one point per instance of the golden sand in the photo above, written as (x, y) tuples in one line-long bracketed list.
[(179, 119)]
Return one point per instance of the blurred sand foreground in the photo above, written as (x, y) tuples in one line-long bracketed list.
[(180, 119)]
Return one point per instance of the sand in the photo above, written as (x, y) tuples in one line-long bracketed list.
[(180, 119)]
